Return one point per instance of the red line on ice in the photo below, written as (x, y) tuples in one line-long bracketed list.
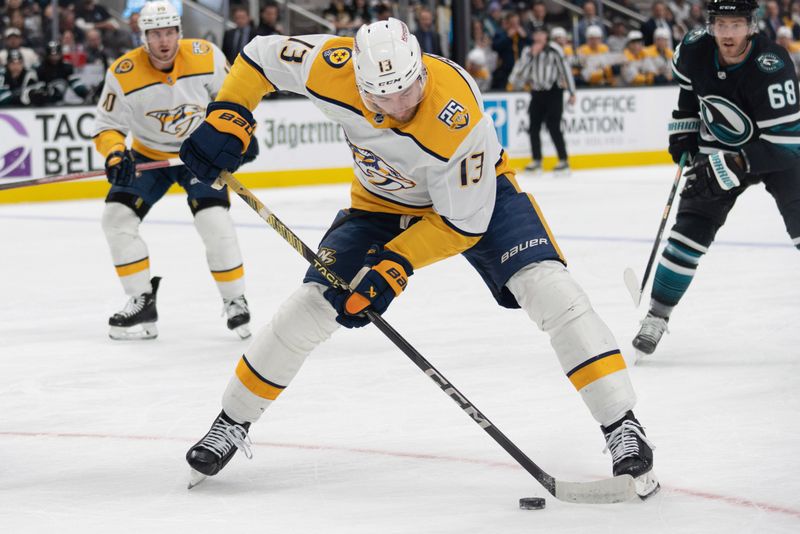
[(734, 501)]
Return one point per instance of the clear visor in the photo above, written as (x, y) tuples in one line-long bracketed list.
[(396, 104), (730, 27)]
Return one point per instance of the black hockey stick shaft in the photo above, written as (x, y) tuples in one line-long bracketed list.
[(335, 280), (664, 218)]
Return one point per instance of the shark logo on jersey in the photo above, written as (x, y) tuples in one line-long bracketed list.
[(454, 115), (378, 172), (327, 255), (694, 35), (725, 121), (769, 63), (179, 121)]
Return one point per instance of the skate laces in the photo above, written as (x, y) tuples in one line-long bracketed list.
[(653, 327), (223, 436), (623, 441), (235, 306), (133, 306)]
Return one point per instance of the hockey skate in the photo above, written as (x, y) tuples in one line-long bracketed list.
[(632, 454), (653, 327), (238, 315), (137, 320), (534, 166), (561, 168), (213, 452)]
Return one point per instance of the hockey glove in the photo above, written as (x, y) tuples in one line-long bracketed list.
[(120, 167), (252, 151), (383, 277), (714, 175), (219, 142), (683, 131)]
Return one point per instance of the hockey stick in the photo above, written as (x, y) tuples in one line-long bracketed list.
[(89, 174), (611, 490), (631, 281)]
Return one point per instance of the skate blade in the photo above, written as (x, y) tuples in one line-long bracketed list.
[(140, 331), (243, 331), (195, 478), (647, 485)]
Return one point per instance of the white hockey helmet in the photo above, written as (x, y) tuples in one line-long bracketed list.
[(158, 14), (387, 61)]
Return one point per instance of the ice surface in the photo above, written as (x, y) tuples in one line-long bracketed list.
[(93, 432)]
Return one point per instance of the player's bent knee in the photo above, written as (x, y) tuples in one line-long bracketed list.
[(549, 294), (214, 224), (119, 220)]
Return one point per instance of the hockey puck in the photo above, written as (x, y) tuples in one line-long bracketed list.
[(532, 503)]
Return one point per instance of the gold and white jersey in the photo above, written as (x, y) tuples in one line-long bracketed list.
[(441, 165), (159, 109)]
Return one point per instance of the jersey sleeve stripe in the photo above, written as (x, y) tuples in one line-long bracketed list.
[(682, 77), (780, 120), (781, 139), (420, 145), (142, 87), (258, 68), (335, 102)]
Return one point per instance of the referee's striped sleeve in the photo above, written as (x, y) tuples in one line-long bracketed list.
[(566, 71)]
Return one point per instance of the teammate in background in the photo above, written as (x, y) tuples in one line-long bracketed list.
[(738, 118), (431, 181), (661, 55), (18, 85), (158, 93), (637, 66)]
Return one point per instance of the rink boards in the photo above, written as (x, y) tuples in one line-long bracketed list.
[(300, 146)]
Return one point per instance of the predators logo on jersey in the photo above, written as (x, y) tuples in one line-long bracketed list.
[(454, 115), (179, 121), (378, 172), (126, 65), (337, 57)]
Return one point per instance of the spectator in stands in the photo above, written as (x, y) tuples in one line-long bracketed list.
[(618, 37), (18, 84), (67, 21), (268, 20), (589, 19), (92, 15), (341, 15), (535, 17), (786, 40), (661, 18), (697, 18), (772, 20), (595, 63), (98, 59), (135, 40), (426, 33), (383, 12), (13, 41), (234, 40), (661, 54), (508, 44), (59, 76), (477, 67), (493, 24), (362, 14), (681, 9), (483, 42), (637, 68)]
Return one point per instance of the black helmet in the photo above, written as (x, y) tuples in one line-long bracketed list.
[(733, 8), (14, 55), (53, 48)]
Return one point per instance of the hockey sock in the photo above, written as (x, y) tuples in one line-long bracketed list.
[(674, 273), (215, 227)]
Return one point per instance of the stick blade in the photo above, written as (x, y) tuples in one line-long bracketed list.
[(632, 283), (611, 490)]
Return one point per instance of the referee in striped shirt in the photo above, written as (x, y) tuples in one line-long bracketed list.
[(544, 69)]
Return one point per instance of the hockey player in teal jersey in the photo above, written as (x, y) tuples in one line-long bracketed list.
[(738, 119)]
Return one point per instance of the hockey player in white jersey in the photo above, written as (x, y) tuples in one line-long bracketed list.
[(432, 181), (158, 93)]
